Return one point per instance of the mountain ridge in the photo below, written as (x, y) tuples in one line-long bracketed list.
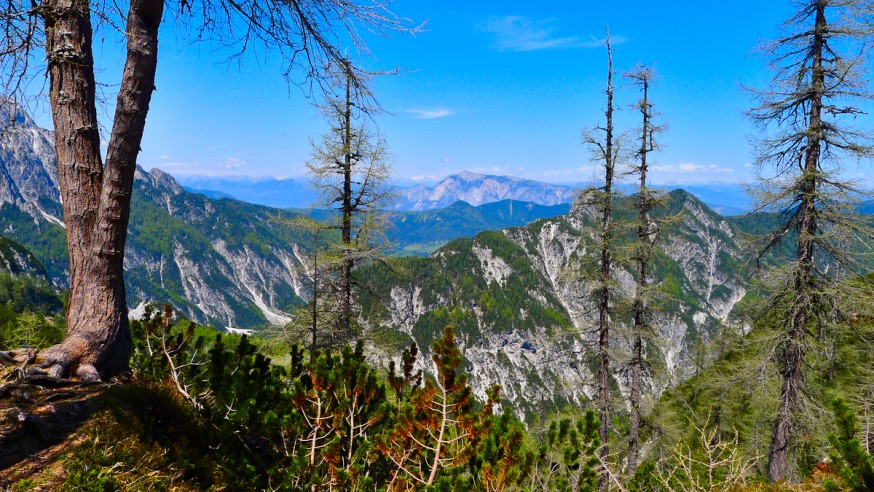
[(473, 188), (521, 313), (525, 318)]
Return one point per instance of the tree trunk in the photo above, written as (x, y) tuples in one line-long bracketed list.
[(314, 327), (639, 303), (797, 329), (604, 294), (346, 227), (96, 200)]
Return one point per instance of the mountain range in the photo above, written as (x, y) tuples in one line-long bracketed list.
[(516, 294), (471, 188), (219, 261), (477, 189)]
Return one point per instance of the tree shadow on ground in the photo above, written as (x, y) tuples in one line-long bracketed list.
[(37, 413)]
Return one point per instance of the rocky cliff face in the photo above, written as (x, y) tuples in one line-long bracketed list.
[(17, 260), (221, 262), (28, 171), (524, 314), (228, 264)]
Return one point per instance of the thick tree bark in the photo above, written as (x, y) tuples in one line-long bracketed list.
[(795, 348), (96, 200), (605, 272)]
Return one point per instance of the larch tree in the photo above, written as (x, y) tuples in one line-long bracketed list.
[(606, 151), (808, 116), (96, 189), (351, 167), (647, 229), (315, 324)]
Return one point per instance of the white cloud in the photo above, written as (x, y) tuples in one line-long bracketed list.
[(446, 160), (585, 171), (490, 170), (599, 42), (429, 113), (234, 163), (423, 177), (690, 172), (748, 164), (518, 33), (690, 167), (165, 157)]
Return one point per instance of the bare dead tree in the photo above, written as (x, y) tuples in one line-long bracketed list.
[(719, 464), (605, 150), (96, 190), (647, 229)]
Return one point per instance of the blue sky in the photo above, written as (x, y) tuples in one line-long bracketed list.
[(496, 87)]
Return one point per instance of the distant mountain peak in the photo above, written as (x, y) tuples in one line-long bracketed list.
[(28, 168), (478, 189), (160, 180), (12, 114), (467, 175)]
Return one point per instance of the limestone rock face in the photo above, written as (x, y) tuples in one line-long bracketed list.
[(477, 189), (525, 314), (28, 173), (220, 262), (17, 260)]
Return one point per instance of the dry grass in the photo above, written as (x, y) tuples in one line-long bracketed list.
[(138, 437)]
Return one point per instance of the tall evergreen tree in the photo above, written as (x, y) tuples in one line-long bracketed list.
[(807, 120)]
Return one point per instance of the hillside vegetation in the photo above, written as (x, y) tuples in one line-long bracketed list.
[(204, 411)]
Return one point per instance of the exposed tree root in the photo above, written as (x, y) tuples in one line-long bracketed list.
[(33, 418), (56, 362), (6, 358)]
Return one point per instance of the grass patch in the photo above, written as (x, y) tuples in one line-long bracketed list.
[(141, 437)]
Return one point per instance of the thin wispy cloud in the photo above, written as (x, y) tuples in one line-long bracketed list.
[(585, 170), (429, 113), (518, 33), (595, 42), (234, 163), (428, 177), (489, 170), (692, 168), (690, 172)]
